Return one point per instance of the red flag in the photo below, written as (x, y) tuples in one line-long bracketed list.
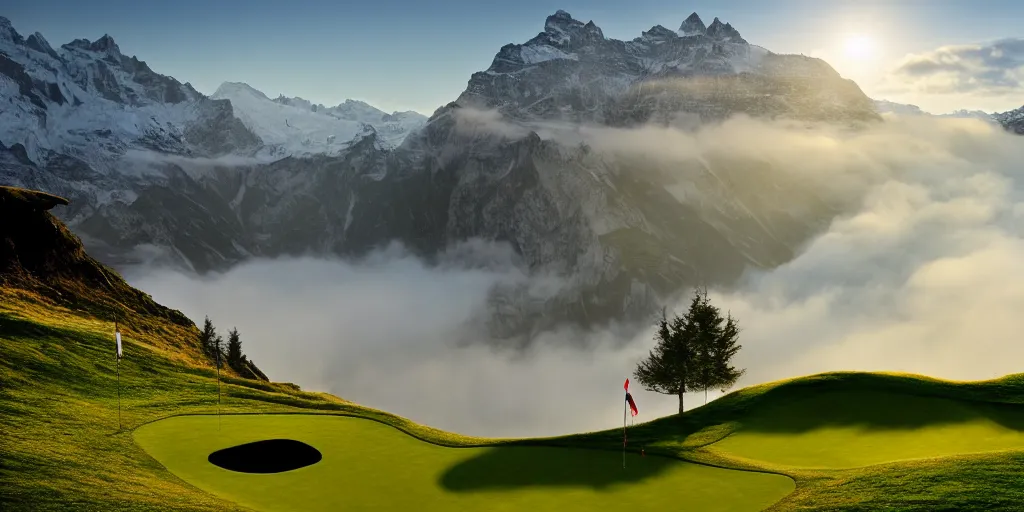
[(626, 385), (632, 404)]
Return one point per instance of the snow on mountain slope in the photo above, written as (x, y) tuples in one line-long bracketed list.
[(88, 101), (1012, 120), (356, 111), (287, 130), (297, 127)]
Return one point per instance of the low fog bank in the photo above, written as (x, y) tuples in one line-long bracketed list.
[(925, 274), (393, 333)]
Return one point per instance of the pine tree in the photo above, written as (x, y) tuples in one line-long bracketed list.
[(726, 346), (235, 357), (666, 369), (207, 338), (692, 352), (706, 324)]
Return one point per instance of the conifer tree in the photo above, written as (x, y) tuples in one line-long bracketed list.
[(692, 352), (726, 346), (207, 337), (666, 368), (706, 326), (235, 357)]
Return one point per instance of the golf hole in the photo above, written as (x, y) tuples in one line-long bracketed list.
[(270, 456)]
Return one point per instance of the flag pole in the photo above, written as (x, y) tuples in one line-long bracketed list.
[(117, 365), (218, 383)]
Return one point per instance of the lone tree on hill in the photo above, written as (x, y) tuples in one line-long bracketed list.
[(693, 352)]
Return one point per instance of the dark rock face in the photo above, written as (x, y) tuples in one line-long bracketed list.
[(217, 131), (37, 252)]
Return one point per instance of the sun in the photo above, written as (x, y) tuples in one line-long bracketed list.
[(860, 47)]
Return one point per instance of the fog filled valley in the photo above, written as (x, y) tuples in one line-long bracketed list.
[(923, 272)]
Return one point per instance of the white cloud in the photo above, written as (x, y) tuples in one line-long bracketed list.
[(994, 68), (985, 76)]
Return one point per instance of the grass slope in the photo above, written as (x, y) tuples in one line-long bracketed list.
[(855, 428), (371, 466)]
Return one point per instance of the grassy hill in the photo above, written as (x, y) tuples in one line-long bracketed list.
[(840, 441)]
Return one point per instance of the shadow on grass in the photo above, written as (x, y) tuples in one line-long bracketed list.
[(509, 468), (879, 411), (12, 326)]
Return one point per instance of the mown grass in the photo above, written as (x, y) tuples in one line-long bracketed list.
[(370, 466), (61, 447)]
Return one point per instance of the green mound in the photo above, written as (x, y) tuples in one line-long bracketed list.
[(367, 465), (859, 428)]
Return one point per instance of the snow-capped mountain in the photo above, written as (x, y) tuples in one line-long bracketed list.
[(571, 72), (89, 101), (353, 110), (287, 130), (620, 231), (74, 117), (297, 127), (1012, 120)]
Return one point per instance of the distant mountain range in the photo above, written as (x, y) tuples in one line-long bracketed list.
[(296, 127), (1012, 120), (158, 172)]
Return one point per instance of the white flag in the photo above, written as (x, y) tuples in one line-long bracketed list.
[(118, 336)]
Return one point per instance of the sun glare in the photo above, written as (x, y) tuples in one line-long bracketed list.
[(860, 47)]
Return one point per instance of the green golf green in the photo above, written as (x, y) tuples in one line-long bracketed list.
[(853, 429), (368, 465)]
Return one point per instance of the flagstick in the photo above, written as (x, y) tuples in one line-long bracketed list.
[(117, 365), (218, 385)]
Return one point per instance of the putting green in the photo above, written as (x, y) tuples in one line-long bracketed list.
[(367, 465), (853, 429)]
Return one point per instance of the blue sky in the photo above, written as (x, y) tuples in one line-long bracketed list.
[(410, 54)]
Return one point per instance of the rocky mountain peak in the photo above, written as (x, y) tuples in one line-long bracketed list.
[(1012, 120), (561, 28), (659, 33), (693, 26), (723, 32), (106, 45), (7, 32), (560, 20), (39, 43)]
